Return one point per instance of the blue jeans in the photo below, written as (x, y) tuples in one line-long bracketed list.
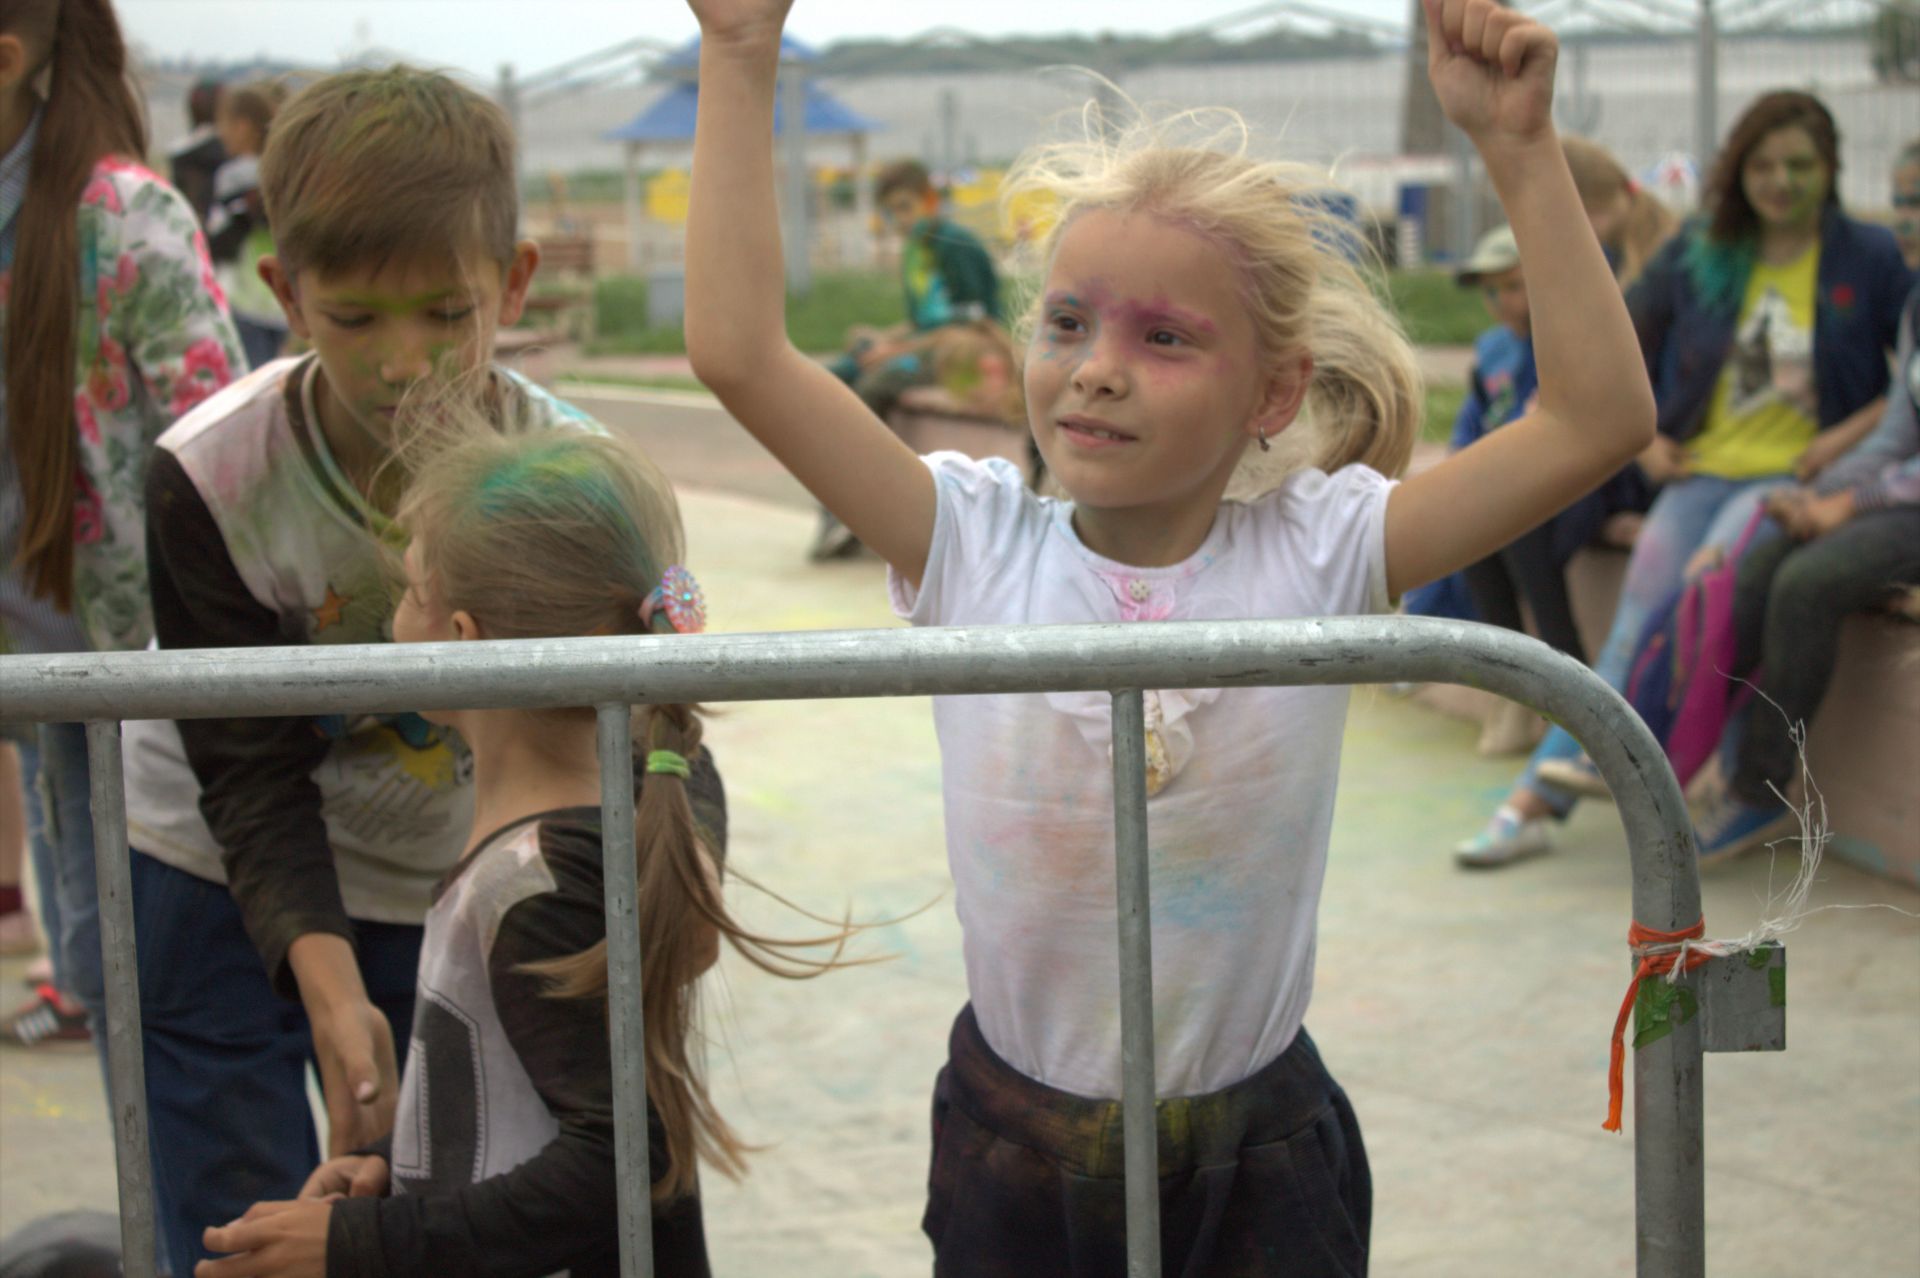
[(1703, 510), (227, 1057), (46, 876), (60, 839), (261, 342)]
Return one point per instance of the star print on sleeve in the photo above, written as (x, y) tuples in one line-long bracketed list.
[(331, 610)]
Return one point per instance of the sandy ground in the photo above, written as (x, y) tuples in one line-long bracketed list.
[(1466, 1014)]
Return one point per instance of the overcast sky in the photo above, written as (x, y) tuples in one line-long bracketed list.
[(479, 35)]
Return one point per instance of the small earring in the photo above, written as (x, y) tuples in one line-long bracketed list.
[(1265, 447)]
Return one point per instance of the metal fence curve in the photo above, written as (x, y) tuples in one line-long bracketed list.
[(615, 673)]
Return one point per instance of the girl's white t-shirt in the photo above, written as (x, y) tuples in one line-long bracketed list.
[(1237, 836)]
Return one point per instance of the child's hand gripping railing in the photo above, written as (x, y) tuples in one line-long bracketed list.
[(1735, 1002)]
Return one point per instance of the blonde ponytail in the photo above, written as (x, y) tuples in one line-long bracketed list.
[(1366, 397), (1604, 183)]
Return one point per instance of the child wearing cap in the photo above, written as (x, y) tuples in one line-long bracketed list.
[(1500, 388)]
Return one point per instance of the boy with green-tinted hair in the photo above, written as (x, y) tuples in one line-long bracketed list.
[(282, 867), (946, 277)]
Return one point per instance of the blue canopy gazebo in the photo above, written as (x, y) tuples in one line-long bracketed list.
[(668, 121)]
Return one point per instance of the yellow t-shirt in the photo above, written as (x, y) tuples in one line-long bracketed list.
[(1765, 410)]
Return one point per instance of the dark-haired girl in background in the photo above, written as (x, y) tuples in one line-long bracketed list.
[(112, 326)]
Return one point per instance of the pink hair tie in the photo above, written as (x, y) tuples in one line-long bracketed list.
[(680, 597)]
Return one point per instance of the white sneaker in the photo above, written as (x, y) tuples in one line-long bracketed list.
[(1576, 776), (1509, 837)]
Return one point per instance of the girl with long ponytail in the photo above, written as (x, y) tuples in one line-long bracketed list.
[(111, 327), (509, 1169)]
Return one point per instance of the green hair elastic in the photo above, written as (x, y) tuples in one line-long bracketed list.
[(669, 762)]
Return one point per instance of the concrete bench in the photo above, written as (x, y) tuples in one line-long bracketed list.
[(1861, 746), (562, 300), (931, 420)]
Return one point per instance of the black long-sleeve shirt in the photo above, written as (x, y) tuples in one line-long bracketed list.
[(503, 1155), (257, 790)]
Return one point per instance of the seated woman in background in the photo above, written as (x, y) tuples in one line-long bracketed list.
[(1751, 390)]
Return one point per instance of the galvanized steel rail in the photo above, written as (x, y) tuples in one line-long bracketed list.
[(613, 674)]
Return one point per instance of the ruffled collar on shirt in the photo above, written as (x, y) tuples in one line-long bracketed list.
[(1141, 594)]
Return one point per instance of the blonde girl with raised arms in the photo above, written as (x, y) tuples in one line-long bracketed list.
[(501, 1159), (1194, 306)]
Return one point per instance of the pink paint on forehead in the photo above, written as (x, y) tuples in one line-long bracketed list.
[(1099, 299)]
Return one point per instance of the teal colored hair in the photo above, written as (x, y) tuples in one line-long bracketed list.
[(1719, 269), (543, 535), (552, 478)]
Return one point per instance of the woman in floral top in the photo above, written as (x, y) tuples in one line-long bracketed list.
[(98, 361)]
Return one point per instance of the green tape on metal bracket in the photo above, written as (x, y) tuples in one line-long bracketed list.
[(1659, 1008), (1777, 986), (1757, 959)]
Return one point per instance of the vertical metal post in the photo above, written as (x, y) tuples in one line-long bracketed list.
[(1706, 89), (631, 1173), (1466, 202), (949, 136), (126, 1065), (632, 199), (1111, 100), (509, 96), (1669, 1172), (796, 207), (1137, 1090)]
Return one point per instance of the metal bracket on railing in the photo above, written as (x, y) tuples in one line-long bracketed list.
[(1743, 1001), (1739, 1000)]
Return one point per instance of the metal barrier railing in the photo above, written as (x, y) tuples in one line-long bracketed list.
[(615, 674)]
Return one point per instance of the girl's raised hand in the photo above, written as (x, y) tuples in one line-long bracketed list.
[(1492, 69), (740, 19)]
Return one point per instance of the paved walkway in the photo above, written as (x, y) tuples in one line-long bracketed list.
[(1466, 1014)]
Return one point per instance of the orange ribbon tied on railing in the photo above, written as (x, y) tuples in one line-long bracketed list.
[(1656, 959)]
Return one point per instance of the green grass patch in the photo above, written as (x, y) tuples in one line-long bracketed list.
[(1443, 405), (816, 322), (1435, 310), (650, 381)]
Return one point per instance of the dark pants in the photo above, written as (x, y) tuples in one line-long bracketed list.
[(261, 342), (879, 388), (1788, 606), (1268, 1177), (1531, 568), (227, 1058)]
